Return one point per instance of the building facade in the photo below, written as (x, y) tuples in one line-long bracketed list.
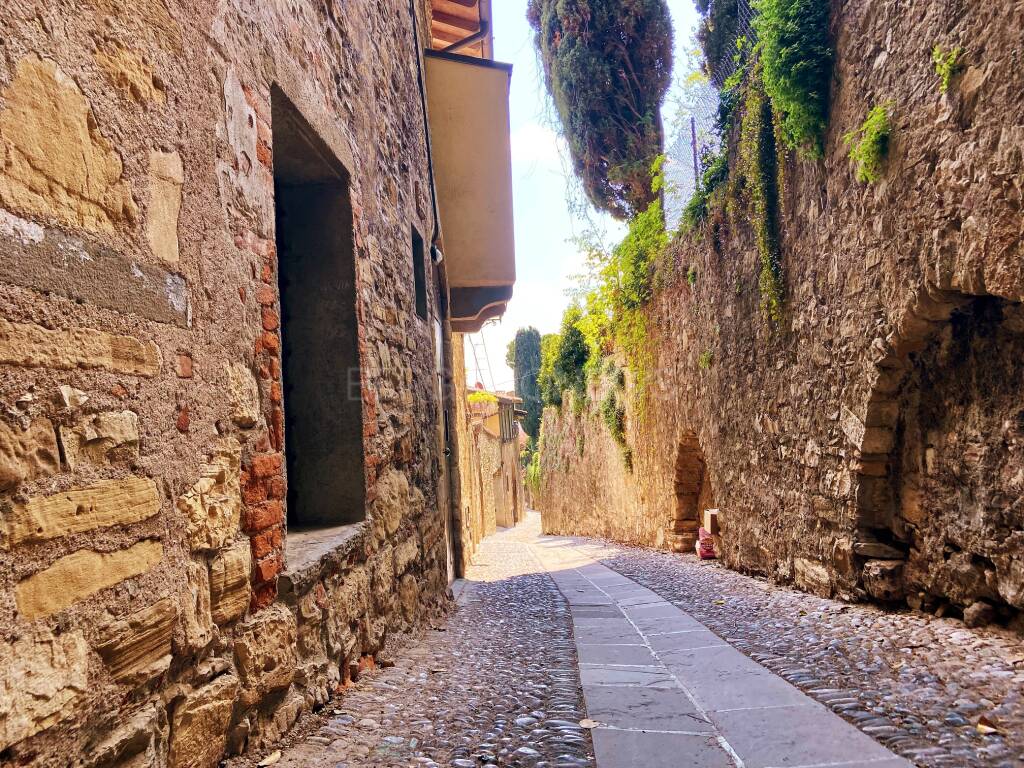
[(226, 454)]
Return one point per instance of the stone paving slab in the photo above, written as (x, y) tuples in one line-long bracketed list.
[(667, 691)]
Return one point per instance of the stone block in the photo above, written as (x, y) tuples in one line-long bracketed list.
[(42, 678), (212, 507), (103, 505), (408, 597), (32, 345), (101, 438), (812, 576), (265, 652), (392, 501), (126, 70), (56, 163), (139, 743), (196, 629), (244, 394), (165, 179), (229, 583), (883, 579), (27, 453), (76, 576), (199, 724), (406, 553), (138, 647)]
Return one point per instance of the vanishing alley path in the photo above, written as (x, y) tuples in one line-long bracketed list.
[(679, 664)]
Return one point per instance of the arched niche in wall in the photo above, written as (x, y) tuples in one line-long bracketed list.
[(940, 500), (693, 494)]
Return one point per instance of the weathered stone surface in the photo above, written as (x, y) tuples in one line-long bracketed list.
[(165, 179), (229, 582), (877, 550), (80, 574), (245, 396), (979, 614), (42, 676), (139, 743), (32, 345), (27, 453), (212, 506), (103, 505), (196, 628), (883, 579), (408, 596), (56, 163), (812, 576), (126, 69), (265, 652), (406, 553), (101, 438), (138, 647), (199, 724), (392, 500)]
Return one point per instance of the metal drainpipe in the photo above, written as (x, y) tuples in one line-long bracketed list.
[(435, 253), (480, 34)]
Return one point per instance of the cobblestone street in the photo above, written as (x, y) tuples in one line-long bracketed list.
[(501, 684)]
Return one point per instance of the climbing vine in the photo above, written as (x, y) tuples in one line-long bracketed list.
[(796, 68), (759, 159)]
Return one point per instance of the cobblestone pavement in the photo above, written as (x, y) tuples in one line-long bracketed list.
[(918, 684), (499, 685)]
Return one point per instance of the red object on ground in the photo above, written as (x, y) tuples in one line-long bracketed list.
[(706, 545)]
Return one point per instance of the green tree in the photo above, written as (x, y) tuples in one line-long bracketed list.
[(525, 352), (550, 393), (608, 65)]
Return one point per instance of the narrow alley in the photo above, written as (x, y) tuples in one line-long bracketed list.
[(571, 652)]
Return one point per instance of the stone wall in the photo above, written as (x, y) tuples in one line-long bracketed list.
[(153, 610), (869, 443)]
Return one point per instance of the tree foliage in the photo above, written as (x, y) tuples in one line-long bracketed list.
[(607, 65), (526, 365)]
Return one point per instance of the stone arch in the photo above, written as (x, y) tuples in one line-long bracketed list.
[(693, 494), (937, 480)]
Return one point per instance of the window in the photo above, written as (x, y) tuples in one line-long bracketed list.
[(319, 350), (419, 274)]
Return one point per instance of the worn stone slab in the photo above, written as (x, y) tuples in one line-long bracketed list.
[(645, 677), (637, 749), (106, 504), (654, 709), (682, 640), (595, 611), (614, 633), (32, 345), (80, 574), (615, 654), (797, 736)]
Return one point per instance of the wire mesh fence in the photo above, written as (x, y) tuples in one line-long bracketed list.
[(695, 131)]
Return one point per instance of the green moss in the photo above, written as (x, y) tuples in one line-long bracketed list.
[(691, 276), (704, 362), (796, 60), (948, 64), (869, 144), (715, 174)]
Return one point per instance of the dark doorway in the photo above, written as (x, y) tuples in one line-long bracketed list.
[(320, 352)]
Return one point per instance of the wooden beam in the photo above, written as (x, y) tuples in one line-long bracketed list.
[(457, 22)]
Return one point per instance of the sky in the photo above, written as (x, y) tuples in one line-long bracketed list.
[(546, 258)]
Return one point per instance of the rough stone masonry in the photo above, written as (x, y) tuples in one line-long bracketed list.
[(148, 613), (870, 444)]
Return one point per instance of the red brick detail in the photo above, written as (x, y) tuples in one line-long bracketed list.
[(266, 571), (183, 420), (266, 465), (270, 319), (275, 488), (262, 596), (270, 341), (277, 428), (259, 517), (266, 295), (266, 543)]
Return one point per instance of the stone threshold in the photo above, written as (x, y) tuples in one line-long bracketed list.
[(312, 554)]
